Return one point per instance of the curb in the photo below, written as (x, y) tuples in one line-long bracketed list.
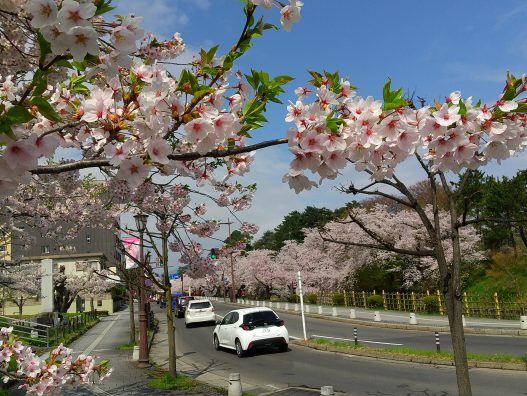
[(401, 326), (407, 358)]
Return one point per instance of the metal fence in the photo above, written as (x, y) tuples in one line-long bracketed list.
[(497, 306), (42, 335)]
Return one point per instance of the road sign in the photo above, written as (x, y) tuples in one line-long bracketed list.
[(148, 282), (173, 276), (226, 280)]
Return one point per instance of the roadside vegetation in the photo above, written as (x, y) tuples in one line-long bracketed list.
[(346, 346)]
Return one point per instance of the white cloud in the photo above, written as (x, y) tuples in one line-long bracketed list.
[(161, 17)]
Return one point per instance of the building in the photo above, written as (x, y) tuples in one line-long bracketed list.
[(95, 248)]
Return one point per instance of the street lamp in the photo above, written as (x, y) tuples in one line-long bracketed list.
[(144, 361)]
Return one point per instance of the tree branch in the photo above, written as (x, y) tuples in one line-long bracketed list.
[(99, 163)]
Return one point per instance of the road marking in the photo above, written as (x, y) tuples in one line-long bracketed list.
[(294, 338), (348, 339), (92, 346), (272, 386)]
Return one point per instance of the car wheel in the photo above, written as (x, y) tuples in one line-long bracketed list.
[(187, 325), (239, 350), (216, 343), (283, 347)]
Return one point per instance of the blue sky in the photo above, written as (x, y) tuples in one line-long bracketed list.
[(430, 48)]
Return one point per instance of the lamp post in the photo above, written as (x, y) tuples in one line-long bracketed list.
[(144, 361)]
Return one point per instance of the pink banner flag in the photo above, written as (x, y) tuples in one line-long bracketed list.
[(131, 245)]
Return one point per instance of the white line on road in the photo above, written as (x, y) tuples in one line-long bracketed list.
[(347, 339), (272, 386), (101, 336)]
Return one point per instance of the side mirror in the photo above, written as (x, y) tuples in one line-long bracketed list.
[(218, 322)]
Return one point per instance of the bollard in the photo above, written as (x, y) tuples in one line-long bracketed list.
[(335, 311), (286, 306), (277, 305), (355, 336), (296, 307), (438, 346), (235, 385), (523, 322), (135, 354), (353, 315), (320, 310), (463, 319), (307, 308), (376, 316), (327, 391), (413, 319), (257, 303)]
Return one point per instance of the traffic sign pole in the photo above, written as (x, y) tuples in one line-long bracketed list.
[(301, 292)]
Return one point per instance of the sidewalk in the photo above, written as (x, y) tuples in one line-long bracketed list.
[(389, 319), (102, 340)]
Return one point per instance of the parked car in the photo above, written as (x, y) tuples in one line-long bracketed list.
[(181, 305), (199, 311), (247, 329)]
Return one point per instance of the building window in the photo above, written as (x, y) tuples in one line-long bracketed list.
[(99, 303), (88, 238), (45, 249), (2, 248)]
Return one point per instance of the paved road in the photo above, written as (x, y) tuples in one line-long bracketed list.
[(383, 337), (353, 375)]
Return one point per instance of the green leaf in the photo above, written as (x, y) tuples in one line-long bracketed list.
[(392, 99), (45, 109), (45, 47), (40, 82), (462, 108), (334, 123), (64, 63), (103, 7), (395, 104), (18, 115), (5, 125), (522, 108)]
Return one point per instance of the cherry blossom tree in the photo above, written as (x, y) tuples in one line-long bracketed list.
[(339, 128), (89, 283), (22, 282)]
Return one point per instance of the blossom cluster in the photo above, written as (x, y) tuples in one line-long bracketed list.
[(339, 127), (40, 376)]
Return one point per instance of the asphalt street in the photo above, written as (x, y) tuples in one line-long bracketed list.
[(353, 375)]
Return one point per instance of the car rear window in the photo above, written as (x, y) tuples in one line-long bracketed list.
[(261, 318), (199, 305)]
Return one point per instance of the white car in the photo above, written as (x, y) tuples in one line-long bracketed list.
[(199, 311), (246, 329)]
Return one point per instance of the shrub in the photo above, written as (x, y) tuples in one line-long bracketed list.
[(431, 304), (375, 301), (338, 299), (311, 298), (293, 298)]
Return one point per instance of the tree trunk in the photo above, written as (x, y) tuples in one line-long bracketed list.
[(132, 316), (451, 286), (91, 304), (454, 308), (172, 369), (20, 306)]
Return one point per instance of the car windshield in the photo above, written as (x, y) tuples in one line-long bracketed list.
[(260, 318), (184, 301), (199, 305)]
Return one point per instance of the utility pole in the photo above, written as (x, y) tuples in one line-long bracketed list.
[(233, 285), (144, 360)]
